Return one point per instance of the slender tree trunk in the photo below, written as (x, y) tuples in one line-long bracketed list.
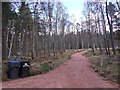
[(90, 37), (106, 42), (11, 45), (4, 44), (99, 36), (118, 4), (111, 29)]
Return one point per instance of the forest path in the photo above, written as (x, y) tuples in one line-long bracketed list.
[(74, 73)]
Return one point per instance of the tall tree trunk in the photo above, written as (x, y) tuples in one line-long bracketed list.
[(90, 36), (4, 44), (118, 4), (106, 42), (111, 29), (100, 47)]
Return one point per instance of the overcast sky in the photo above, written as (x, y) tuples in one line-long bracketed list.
[(74, 7)]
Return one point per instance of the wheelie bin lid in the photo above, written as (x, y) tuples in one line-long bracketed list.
[(14, 63)]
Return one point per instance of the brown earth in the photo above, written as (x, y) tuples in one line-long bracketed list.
[(74, 73)]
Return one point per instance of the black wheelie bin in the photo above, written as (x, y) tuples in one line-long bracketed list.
[(25, 68), (13, 69)]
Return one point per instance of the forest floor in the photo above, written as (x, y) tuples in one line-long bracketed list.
[(105, 65), (74, 73)]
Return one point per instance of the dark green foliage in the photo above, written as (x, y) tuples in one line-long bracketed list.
[(111, 8), (7, 13)]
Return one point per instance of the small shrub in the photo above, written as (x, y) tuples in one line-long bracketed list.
[(34, 72), (44, 67), (35, 69)]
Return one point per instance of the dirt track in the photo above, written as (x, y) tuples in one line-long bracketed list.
[(75, 73)]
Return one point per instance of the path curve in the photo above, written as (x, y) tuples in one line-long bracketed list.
[(74, 73)]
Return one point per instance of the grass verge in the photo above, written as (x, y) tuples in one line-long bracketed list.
[(106, 66)]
